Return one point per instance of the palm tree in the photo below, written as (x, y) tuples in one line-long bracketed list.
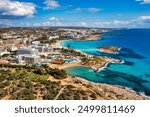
[(68, 46)]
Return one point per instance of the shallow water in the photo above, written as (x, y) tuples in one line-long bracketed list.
[(134, 74)]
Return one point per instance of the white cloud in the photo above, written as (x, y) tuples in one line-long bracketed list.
[(143, 1), (114, 23), (51, 4), (144, 19), (101, 23), (16, 8), (52, 21), (118, 22), (47, 23), (94, 10), (36, 24), (110, 23), (55, 19), (141, 21), (77, 10), (91, 10), (82, 24)]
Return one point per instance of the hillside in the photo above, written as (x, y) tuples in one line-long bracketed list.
[(42, 84)]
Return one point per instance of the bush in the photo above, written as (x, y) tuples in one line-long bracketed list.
[(93, 96), (24, 94), (5, 55), (56, 73), (48, 97), (2, 86), (7, 83), (3, 93), (40, 71)]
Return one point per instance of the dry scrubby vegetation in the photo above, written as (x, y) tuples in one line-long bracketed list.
[(30, 83), (93, 61), (72, 52), (22, 84)]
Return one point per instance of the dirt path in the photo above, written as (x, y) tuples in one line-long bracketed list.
[(59, 93)]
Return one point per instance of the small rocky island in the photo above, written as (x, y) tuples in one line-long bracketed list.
[(110, 49)]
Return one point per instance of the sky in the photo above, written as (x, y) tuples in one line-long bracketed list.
[(86, 13)]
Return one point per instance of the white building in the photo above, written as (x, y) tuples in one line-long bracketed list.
[(27, 50), (4, 52), (28, 59), (41, 48), (32, 59), (53, 37), (35, 42), (32, 53)]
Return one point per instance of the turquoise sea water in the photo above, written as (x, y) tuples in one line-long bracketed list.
[(68, 60), (134, 73)]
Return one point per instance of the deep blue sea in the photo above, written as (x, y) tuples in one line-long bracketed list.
[(134, 73)]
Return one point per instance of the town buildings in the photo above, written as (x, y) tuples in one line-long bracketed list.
[(26, 45)]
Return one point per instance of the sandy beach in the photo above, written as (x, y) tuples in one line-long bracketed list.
[(93, 37), (68, 65), (57, 44)]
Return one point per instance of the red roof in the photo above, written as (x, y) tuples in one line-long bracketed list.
[(58, 61), (4, 62), (22, 45)]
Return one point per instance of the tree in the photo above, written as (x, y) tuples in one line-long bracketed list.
[(56, 73), (40, 71), (5, 55), (68, 46), (28, 42)]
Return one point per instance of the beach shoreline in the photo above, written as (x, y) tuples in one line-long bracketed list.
[(94, 37), (95, 68), (58, 44)]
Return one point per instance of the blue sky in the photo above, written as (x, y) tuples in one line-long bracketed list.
[(88, 13)]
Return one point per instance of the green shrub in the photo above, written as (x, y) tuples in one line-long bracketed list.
[(56, 73), (2, 85), (40, 71)]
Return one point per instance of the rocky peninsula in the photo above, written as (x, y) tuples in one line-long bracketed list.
[(110, 49)]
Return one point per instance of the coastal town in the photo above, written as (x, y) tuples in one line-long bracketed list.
[(37, 46), (35, 57), (42, 46)]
